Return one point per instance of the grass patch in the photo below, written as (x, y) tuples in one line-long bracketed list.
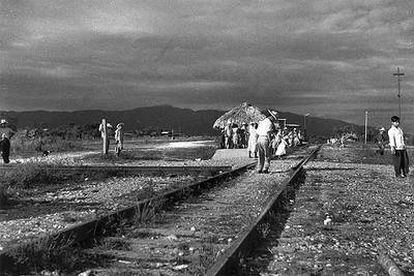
[(110, 157), (22, 143), (114, 243), (49, 255), (31, 174), (206, 257)]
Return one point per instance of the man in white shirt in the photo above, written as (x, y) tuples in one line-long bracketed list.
[(398, 148), (265, 128)]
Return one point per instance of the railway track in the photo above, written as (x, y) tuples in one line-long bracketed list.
[(231, 263), (160, 236)]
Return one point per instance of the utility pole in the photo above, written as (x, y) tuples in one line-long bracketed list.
[(366, 127), (399, 75), (105, 137), (305, 134)]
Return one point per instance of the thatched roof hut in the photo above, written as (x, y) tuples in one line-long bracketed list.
[(243, 113)]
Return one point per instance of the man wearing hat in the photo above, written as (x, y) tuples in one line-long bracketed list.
[(380, 140), (264, 130), (119, 138), (6, 129)]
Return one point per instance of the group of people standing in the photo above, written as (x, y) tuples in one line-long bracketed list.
[(266, 139), (263, 139), (280, 139), (234, 136), (272, 141)]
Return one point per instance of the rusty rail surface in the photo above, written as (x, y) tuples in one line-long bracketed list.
[(228, 263)]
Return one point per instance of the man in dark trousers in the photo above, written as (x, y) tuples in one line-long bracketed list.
[(264, 130), (5, 148), (398, 148)]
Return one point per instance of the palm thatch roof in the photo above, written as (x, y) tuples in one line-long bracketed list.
[(243, 113)]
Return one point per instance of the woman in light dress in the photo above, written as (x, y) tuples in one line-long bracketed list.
[(119, 138), (281, 148), (276, 141), (296, 140), (236, 136), (252, 144)]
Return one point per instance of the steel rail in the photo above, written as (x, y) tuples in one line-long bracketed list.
[(389, 265), (130, 170), (228, 262)]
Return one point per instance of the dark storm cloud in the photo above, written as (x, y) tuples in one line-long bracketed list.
[(330, 58)]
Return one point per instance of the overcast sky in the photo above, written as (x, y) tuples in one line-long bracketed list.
[(331, 58)]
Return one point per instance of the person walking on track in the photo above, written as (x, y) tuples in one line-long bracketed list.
[(264, 130), (398, 148)]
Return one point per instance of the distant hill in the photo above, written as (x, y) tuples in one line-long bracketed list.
[(163, 117)]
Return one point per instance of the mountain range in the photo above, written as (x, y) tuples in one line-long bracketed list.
[(163, 117)]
